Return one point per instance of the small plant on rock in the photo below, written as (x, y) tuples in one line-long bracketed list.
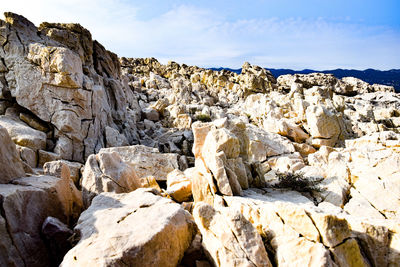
[(203, 118), (297, 182)]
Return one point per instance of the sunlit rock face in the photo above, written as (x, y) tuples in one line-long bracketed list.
[(126, 161)]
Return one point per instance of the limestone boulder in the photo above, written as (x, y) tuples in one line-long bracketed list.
[(69, 83), (22, 134), (151, 114), (107, 172), (308, 80), (139, 228), (179, 186), (25, 205), (262, 144), (221, 140), (183, 121), (203, 186), (47, 156), (10, 162), (200, 132), (298, 233), (374, 169), (28, 155), (114, 138), (322, 123), (255, 79), (229, 238), (147, 161), (54, 168)]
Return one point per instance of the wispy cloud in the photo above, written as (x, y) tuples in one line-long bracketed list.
[(203, 37)]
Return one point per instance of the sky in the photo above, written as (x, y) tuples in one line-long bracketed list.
[(323, 34)]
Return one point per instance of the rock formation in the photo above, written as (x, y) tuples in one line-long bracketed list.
[(126, 161)]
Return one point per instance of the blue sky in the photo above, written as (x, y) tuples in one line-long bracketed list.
[(278, 34)]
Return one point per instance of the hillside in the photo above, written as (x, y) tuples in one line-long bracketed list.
[(110, 161)]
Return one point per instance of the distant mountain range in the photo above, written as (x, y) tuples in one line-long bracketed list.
[(371, 76)]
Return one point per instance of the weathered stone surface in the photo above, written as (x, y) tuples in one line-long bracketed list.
[(46, 156), (203, 187), (151, 114), (221, 140), (107, 172), (22, 134), (54, 168), (33, 122), (147, 161), (179, 186), (114, 138), (295, 231), (25, 205), (10, 162), (263, 144), (322, 123), (9, 254), (67, 81), (200, 131), (349, 254), (127, 229), (183, 121), (229, 238), (374, 169), (64, 96), (28, 155)]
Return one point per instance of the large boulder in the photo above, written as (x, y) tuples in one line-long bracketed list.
[(10, 162), (22, 134), (24, 206), (107, 172), (54, 168), (147, 161), (229, 238), (323, 123), (139, 228)]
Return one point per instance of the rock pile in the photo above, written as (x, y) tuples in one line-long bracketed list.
[(120, 161)]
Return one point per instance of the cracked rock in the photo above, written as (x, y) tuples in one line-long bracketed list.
[(139, 228)]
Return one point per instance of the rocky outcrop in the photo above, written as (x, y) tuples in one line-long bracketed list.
[(10, 162), (67, 81), (301, 170), (127, 229)]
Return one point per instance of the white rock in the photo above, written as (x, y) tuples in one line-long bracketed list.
[(22, 134), (229, 238), (127, 229), (147, 161), (10, 162)]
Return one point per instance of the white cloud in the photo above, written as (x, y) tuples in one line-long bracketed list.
[(199, 36)]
